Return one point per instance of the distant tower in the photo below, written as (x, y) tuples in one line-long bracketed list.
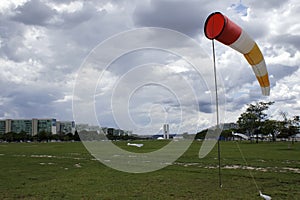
[(166, 131)]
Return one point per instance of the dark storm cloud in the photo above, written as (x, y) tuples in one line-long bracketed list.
[(183, 16), (205, 107), (11, 34), (67, 39), (257, 29), (259, 4), (235, 79), (236, 102), (88, 27), (287, 39), (29, 102), (280, 71), (34, 12)]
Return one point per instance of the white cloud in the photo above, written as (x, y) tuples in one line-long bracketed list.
[(67, 98), (8, 4), (20, 72), (287, 89), (69, 7)]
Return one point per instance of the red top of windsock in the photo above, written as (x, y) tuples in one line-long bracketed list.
[(219, 27)]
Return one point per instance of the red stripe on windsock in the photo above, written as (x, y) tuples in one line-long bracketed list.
[(219, 27)]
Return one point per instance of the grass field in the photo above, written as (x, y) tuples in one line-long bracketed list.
[(68, 171)]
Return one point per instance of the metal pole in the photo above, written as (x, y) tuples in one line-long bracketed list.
[(217, 111)]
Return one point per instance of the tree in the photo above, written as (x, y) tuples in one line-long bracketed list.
[(288, 127), (9, 137), (250, 122), (76, 136), (23, 136), (43, 136), (201, 135), (271, 127), (227, 134)]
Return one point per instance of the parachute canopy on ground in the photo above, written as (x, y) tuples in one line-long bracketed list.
[(219, 27)]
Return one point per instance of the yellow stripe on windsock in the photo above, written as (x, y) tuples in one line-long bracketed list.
[(255, 56), (256, 60), (263, 80)]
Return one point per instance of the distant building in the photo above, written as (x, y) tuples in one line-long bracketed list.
[(2, 126), (87, 127), (5, 126), (65, 127), (20, 125), (113, 132), (82, 127), (53, 126), (31, 126), (228, 126), (166, 131), (47, 125)]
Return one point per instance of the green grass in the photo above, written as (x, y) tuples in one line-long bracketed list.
[(68, 171)]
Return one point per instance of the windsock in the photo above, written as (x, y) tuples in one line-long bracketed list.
[(221, 28)]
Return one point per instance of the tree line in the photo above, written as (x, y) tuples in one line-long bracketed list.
[(254, 122), (42, 136)]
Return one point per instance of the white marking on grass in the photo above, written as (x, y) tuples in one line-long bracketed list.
[(77, 165), (235, 167), (261, 160), (42, 156), (135, 145), (166, 163), (75, 154), (19, 155), (49, 163), (190, 164), (295, 170)]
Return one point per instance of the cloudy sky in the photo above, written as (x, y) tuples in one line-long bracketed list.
[(45, 44)]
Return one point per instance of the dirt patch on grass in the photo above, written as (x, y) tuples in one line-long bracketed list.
[(243, 167)]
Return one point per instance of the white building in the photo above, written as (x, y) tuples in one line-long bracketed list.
[(65, 127), (166, 131)]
